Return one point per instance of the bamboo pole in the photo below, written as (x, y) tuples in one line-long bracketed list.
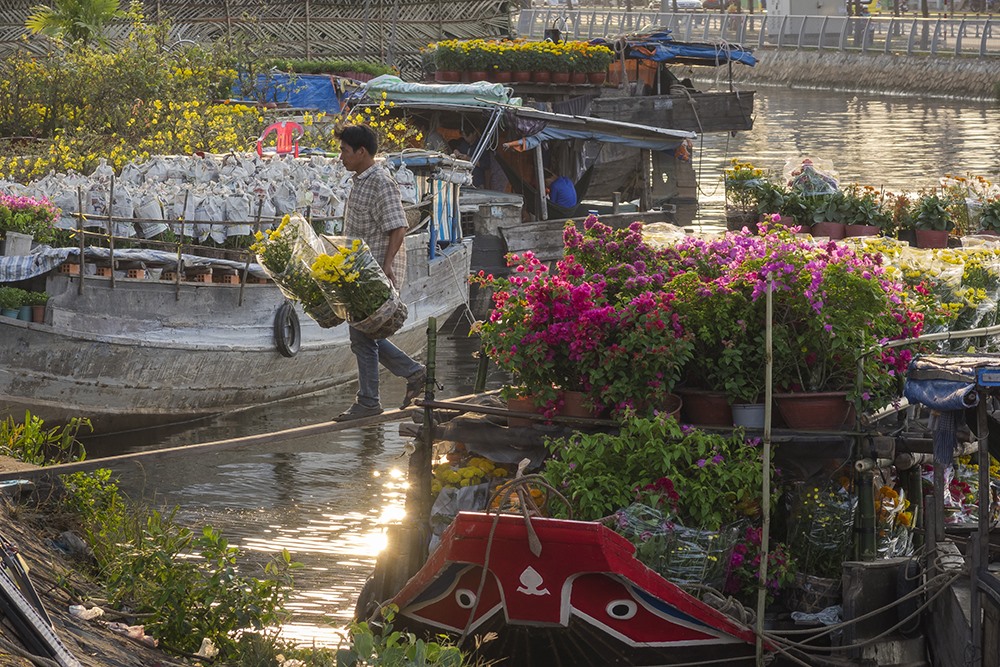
[(765, 502), (111, 231), (80, 233)]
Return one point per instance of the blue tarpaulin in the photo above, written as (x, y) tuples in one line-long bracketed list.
[(303, 91), (662, 48)]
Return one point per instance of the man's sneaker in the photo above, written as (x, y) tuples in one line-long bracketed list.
[(414, 387), (358, 411)]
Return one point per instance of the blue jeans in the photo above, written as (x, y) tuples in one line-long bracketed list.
[(370, 353)]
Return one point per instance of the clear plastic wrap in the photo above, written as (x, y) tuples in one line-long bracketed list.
[(685, 556), (286, 254), (811, 177), (357, 288), (821, 522)]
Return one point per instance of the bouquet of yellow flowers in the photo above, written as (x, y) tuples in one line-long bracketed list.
[(286, 253), (357, 288)]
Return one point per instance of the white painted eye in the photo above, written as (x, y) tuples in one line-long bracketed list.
[(466, 598), (622, 610)]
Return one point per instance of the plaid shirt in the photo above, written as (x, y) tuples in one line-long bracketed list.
[(373, 210)]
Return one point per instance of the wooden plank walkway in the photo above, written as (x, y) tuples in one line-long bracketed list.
[(21, 471)]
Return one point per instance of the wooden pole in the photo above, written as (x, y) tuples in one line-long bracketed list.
[(765, 501), (543, 210), (80, 233), (111, 230), (308, 18)]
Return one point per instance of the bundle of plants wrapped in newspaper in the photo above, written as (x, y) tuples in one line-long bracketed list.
[(287, 254), (357, 288)]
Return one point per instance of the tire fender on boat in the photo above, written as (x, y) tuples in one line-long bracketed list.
[(287, 332)]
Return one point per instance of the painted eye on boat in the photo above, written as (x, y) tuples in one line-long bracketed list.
[(466, 598), (622, 610)]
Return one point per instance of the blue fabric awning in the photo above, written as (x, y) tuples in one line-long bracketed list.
[(661, 47)]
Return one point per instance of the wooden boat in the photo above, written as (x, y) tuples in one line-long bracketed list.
[(131, 352), (581, 599)]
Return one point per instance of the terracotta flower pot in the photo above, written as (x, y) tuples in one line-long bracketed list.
[(520, 76), (560, 77), (932, 238), (578, 77), (38, 314), (499, 76), (597, 78), (574, 404), (832, 230), (521, 404), (447, 76), (705, 408), (475, 75), (816, 411), (541, 76), (852, 231)]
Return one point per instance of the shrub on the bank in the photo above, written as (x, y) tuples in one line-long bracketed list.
[(184, 585), (30, 442), (67, 108)]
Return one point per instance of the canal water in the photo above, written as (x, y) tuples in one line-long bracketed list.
[(328, 499)]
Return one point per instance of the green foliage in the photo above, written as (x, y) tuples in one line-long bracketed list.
[(334, 66), (717, 477), (868, 206), (37, 298), (821, 519), (989, 216), (32, 443), (140, 99), (75, 21), (184, 585), (391, 648), (770, 197), (12, 298), (728, 344), (832, 208), (931, 213)]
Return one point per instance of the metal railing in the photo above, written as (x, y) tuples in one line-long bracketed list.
[(910, 35)]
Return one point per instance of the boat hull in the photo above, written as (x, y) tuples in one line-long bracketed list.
[(583, 599), (151, 352)]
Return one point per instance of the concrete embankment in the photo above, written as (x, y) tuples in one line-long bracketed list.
[(886, 74)]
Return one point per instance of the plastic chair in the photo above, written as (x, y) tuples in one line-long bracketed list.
[(288, 135)]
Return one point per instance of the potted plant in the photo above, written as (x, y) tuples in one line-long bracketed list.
[(771, 198), (932, 220), (37, 301), (867, 214), (599, 58), (741, 181), (448, 61), (830, 215), (989, 216), (821, 521), (23, 219), (11, 300)]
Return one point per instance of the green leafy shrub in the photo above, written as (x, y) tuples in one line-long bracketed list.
[(303, 66), (32, 443), (184, 585), (717, 478), (385, 647), (84, 104), (12, 298)]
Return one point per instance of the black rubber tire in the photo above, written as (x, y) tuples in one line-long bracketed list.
[(287, 331)]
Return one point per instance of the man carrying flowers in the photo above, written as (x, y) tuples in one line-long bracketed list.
[(374, 213)]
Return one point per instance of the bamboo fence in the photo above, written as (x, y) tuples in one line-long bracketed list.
[(378, 31)]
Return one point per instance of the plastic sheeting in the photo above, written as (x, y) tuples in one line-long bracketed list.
[(480, 93)]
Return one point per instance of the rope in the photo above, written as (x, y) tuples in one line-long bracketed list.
[(517, 484)]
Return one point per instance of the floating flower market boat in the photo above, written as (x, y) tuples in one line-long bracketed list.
[(559, 592)]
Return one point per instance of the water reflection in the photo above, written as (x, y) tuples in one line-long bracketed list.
[(328, 498)]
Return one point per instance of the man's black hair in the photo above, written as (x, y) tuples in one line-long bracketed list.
[(359, 136)]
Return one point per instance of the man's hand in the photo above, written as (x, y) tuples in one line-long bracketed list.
[(387, 269)]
